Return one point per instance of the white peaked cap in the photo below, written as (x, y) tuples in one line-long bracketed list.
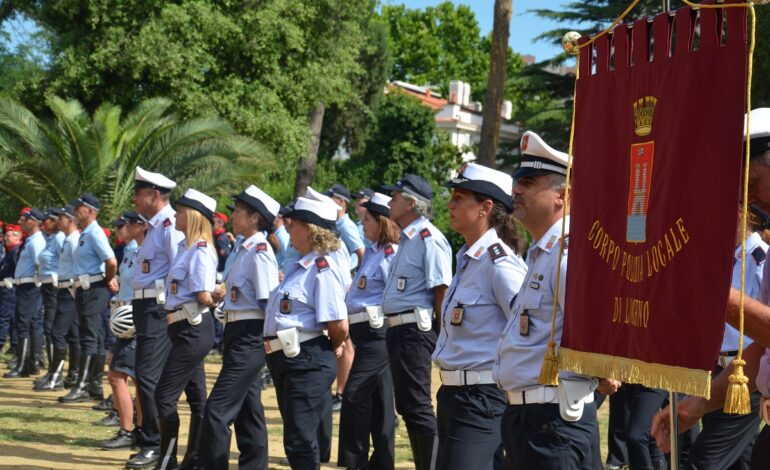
[(195, 199), (537, 157), (321, 213), (153, 179), (760, 123), (485, 181)]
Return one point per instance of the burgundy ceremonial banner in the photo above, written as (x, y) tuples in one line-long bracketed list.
[(657, 163)]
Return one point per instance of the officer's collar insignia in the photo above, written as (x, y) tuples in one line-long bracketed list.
[(167, 223), (389, 249), (496, 251), (550, 243), (321, 264), (410, 233), (261, 247), (425, 233), (478, 252), (758, 254), (305, 263), (201, 244), (246, 246)]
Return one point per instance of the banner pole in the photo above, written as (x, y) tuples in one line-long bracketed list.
[(673, 402)]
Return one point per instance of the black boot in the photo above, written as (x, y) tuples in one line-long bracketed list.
[(79, 392), (95, 389), (74, 363), (190, 461), (21, 368), (54, 381), (35, 355), (415, 444), (169, 435), (52, 364), (428, 451)]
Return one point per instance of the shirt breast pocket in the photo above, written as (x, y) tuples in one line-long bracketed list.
[(294, 300), (470, 308), (530, 301)]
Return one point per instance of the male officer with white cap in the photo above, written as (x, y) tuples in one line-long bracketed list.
[(756, 317), (236, 396), (543, 426), (152, 192), (28, 296), (95, 268), (417, 282)]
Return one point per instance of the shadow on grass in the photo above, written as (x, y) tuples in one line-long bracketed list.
[(37, 437), (20, 415), (25, 453)]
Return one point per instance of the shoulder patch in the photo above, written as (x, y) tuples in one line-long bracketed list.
[(167, 223), (261, 247), (425, 233), (496, 251), (389, 249), (758, 254), (321, 264), (201, 244)]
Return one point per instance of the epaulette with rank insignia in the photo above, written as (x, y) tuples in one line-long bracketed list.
[(261, 247), (202, 244), (496, 252), (758, 254), (425, 233), (389, 249), (321, 264), (167, 223)]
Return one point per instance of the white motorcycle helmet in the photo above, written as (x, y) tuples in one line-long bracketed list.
[(122, 322)]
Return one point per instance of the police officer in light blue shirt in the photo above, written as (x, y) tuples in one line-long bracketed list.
[(190, 286), (95, 269), (476, 308), (361, 198), (284, 240), (300, 356), (28, 296), (367, 405), (49, 262), (152, 192), (417, 282), (347, 230), (236, 396), (538, 204)]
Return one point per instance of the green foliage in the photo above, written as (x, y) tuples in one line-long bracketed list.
[(44, 163), (262, 65)]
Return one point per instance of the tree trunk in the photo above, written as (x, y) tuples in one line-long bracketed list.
[(493, 99), (306, 167)]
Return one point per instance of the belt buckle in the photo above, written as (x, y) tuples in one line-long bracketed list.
[(471, 377)]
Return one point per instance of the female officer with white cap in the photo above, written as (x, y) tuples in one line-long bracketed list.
[(236, 396), (300, 356), (190, 282), (475, 311), (367, 403)]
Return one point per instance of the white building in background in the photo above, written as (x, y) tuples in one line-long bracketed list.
[(459, 117)]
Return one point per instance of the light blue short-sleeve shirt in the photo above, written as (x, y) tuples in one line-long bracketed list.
[(67, 259), (252, 276), (49, 257), (366, 289), (126, 271), (27, 265), (93, 250), (194, 270), (158, 250)]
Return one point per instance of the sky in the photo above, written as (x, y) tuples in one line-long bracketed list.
[(525, 26)]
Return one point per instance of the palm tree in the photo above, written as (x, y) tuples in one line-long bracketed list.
[(45, 163)]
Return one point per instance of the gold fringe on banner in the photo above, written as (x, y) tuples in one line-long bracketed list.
[(694, 382)]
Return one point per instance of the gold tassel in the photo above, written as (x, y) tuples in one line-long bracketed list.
[(549, 371), (737, 398)]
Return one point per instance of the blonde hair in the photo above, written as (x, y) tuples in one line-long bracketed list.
[(322, 240), (198, 227)]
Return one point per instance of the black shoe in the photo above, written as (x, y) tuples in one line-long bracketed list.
[(104, 405), (121, 440), (146, 458), (336, 402), (53, 379), (112, 419), (78, 393)]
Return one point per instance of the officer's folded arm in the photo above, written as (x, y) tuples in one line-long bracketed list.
[(205, 298), (692, 409), (338, 332), (756, 317)]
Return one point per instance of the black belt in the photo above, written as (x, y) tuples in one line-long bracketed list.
[(728, 353)]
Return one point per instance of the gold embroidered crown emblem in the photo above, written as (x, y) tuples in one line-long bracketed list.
[(644, 109)]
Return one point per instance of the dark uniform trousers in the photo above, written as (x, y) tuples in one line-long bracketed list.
[(469, 420), (236, 399), (643, 404), (367, 404), (152, 348), (536, 437), (760, 455), (65, 323), (302, 389), (7, 312), (410, 353), (28, 299), (90, 306), (50, 296), (726, 440), (183, 370)]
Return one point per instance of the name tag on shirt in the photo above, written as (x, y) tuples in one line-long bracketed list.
[(361, 282), (174, 286), (524, 323), (233, 294), (285, 306), (401, 284), (145, 266), (457, 315)]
